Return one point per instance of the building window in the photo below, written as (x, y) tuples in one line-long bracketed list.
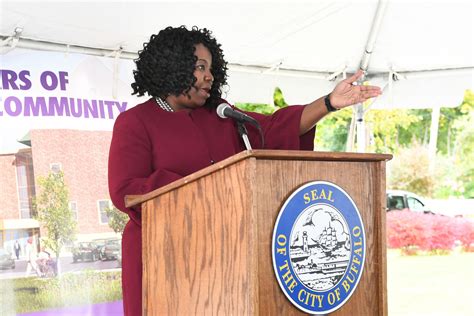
[(24, 201), (103, 206), (25, 183), (55, 167), (73, 208)]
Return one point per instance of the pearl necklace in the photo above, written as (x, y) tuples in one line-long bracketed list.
[(164, 105)]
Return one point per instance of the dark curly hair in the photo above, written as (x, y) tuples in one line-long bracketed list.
[(166, 64)]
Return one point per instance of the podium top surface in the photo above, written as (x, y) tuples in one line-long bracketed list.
[(132, 200)]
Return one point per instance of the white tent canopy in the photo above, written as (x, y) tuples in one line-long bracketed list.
[(420, 52), (297, 45)]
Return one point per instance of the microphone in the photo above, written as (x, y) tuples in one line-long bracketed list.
[(224, 110)]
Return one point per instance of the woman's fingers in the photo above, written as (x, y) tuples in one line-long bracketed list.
[(354, 77)]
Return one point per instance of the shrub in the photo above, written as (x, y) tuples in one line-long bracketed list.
[(405, 231), (412, 232), (409, 170), (464, 230)]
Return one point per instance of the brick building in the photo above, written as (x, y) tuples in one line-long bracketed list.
[(82, 156)]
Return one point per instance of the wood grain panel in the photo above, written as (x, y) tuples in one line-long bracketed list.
[(359, 180), (200, 246)]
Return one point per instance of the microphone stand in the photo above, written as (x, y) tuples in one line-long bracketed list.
[(244, 134)]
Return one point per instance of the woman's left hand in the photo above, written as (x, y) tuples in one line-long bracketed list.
[(345, 93)]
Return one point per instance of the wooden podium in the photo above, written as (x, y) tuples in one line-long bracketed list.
[(207, 237)]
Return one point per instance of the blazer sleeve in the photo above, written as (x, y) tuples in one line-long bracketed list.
[(281, 130), (130, 165)]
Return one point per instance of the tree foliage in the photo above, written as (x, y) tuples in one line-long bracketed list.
[(418, 131), (452, 123), (278, 99), (405, 133), (332, 131), (117, 219), (263, 108), (53, 212), (386, 126), (464, 150)]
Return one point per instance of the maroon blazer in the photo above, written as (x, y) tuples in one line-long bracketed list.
[(151, 148)]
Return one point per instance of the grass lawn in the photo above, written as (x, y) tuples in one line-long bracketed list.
[(24, 295), (430, 285), (417, 285)]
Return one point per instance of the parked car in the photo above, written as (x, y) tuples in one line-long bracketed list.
[(400, 200), (111, 249), (6, 261), (100, 245), (85, 251)]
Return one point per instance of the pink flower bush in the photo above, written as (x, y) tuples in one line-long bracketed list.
[(464, 230), (413, 231)]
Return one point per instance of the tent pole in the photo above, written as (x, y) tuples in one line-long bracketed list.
[(364, 65), (360, 128), (374, 31), (350, 137)]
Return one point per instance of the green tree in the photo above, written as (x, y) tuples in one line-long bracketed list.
[(464, 152), (332, 131), (386, 127), (263, 108), (53, 212), (418, 131), (451, 126), (117, 219), (405, 133), (448, 178), (278, 99)]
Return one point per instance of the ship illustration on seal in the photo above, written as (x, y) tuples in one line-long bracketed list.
[(321, 247)]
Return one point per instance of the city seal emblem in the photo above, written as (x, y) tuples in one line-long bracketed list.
[(318, 247)]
